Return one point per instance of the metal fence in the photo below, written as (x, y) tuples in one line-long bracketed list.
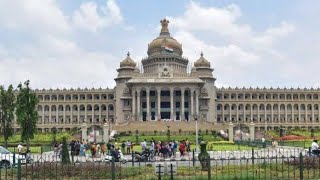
[(278, 163)]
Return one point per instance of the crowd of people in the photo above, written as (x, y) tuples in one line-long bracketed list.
[(162, 149)]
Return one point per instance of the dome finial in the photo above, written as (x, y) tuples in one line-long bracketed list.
[(201, 54), (164, 26), (128, 54)]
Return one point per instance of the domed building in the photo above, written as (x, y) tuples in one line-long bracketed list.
[(165, 90), (169, 88)]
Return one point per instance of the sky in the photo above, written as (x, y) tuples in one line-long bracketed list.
[(79, 44)]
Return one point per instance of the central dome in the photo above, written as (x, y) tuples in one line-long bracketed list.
[(164, 41)]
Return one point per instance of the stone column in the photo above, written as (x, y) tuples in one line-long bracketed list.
[(197, 103), (191, 108), (100, 114), (105, 133), (78, 108), (148, 104), (92, 115), (107, 112), (299, 113), (57, 115), (251, 129), (159, 103), (85, 113), (43, 119), (84, 131), (171, 103), (64, 114), (133, 105), (230, 131), (71, 114), (138, 105), (182, 104)]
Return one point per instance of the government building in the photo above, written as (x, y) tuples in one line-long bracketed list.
[(169, 89)]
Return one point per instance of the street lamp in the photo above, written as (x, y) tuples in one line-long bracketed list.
[(196, 119)]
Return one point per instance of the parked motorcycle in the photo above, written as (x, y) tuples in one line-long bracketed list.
[(143, 156)]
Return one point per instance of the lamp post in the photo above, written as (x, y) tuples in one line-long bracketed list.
[(196, 119)]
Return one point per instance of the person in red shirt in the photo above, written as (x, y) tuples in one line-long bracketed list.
[(182, 148)]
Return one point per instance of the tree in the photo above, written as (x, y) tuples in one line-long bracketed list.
[(27, 114), (65, 159), (7, 107)]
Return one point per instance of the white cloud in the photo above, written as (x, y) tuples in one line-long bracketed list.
[(225, 22), (51, 57), (66, 66), (234, 48), (91, 17), (33, 16)]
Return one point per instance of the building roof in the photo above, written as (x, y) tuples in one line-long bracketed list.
[(128, 62)]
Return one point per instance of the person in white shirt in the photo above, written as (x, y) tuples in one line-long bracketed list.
[(20, 148), (315, 147), (144, 145)]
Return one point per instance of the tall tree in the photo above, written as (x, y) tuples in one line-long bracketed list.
[(7, 107), (27, 114)]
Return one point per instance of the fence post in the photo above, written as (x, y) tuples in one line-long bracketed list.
[(132, 158), (113, 169), (209, 170), (252, 156), (159, 172), (301, 166), (193, 159), (14, 158), (171, 172), (19, 169)]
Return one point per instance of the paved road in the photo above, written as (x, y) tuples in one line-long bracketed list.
[(218, 157)]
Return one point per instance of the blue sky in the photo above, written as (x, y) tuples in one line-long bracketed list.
[(58, 43)]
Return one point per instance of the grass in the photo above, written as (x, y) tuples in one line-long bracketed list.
[(36, 149)]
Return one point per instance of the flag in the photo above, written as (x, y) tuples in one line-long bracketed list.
[(168, 49)]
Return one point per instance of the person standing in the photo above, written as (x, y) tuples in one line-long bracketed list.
[(73, 149), (315, 147), (144, 145), (123, 146), (20, 148), (128, 147)]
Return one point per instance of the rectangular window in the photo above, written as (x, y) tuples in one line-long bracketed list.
[(165, 104), (178, 93), (177, 104), (186, 105), (165, 93), (144, 104), (152, 93), (144, 93), (153, 104)]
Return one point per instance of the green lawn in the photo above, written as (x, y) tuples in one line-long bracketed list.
[(36, 149)]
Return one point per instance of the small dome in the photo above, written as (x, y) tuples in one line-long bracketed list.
[(202, 62), (128, 62), (164, 40)]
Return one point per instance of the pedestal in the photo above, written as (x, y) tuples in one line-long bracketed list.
[(230, 131), (106, 133), (251, 129), (84, 131)]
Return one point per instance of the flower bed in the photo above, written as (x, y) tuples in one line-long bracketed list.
[(291, 138)]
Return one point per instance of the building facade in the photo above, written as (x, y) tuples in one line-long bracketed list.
[(168, 88)]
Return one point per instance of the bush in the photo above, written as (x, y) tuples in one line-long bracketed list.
[(65, 153)]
